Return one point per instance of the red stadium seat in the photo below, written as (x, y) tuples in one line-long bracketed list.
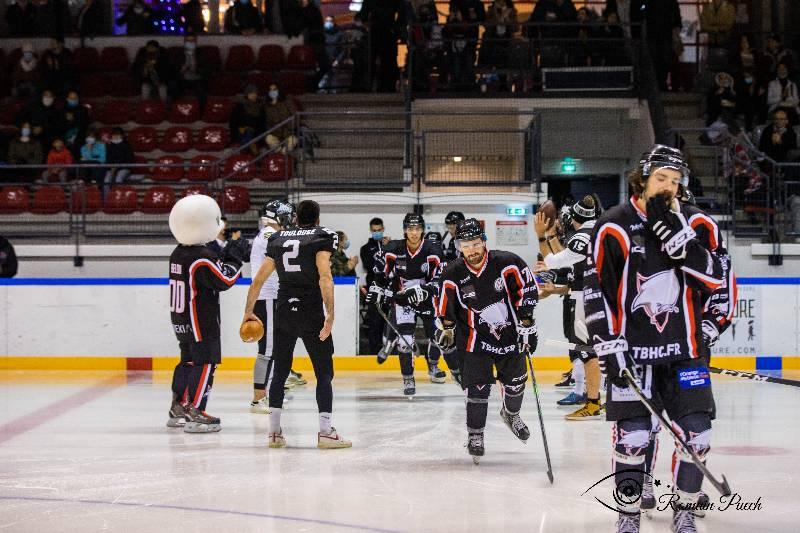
[(211, 56), (86, 59), (239, 168), (196, 189), (94, 85), (169, 173), (225, 85), (294, 83), (143, 139), (158, 199), (277, 167), (122, 85), (240, 58), (115, 112), (114, 58), (49, 200), (177, 139), (184, 111), (262, 80), (150, 112), (207, 169), (217, 110), (212, 139), (271, 57), (234, 200), (301, 57), (13, 200), (86, 199), (121, 200)]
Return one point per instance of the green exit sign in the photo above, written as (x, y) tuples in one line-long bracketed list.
[(516, 211), (569, 166)]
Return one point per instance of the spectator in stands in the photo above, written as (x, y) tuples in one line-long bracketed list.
[(662, 19), (778, 139), (248, 118), (623, 10), (612, 47), (57, 158), (278, 109), (193, 71), (44, 118), (192, 14), (8, 259), (751, 99), (458, 51), (721, 100), (52, 18), (92, 19), (118, 154), (283, 17), (314, 36), (75, 123), (242, 18), (386, 20), (717, 19), (582, 48), (428, 47), (340, 264), (26, 76), (151, 70), (377, 240), (21, 18), (56, 64), (335, 52), (747, 58), (93, 152), (775, 54), (549, 11), (25, 150), (501, 24), (782, 94), (138, 19)]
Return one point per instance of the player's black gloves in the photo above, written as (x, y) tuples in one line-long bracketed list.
[(377, 295), (614, 358), (548, 276), (669, 226), (412, 296), (444, 336), (527, 336)]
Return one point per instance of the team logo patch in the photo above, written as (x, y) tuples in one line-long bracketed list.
[(495, 317), (499, 285), (424, 268), (658, 296), (693, 378)]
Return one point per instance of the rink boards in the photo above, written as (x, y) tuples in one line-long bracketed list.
[(123, 323)]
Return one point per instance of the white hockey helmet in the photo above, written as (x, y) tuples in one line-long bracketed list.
[(195, 219)]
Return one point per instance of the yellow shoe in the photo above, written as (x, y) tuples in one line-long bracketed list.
[(590, 411)]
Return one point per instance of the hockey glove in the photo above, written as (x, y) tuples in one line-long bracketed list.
[(444, 336), (377, 295), (548, 276), (412, 296), (614, 358), (527, 336), (710, 333), (669, 226)]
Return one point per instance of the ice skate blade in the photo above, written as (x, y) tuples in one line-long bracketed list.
[(176, 422), (196, 427)]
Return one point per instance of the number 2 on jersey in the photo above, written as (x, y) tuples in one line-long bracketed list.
[(294, 244), (177, 296)]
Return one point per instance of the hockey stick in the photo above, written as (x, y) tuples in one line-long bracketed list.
[(721, 486), (541, 419), (399, 337), (722, 371)]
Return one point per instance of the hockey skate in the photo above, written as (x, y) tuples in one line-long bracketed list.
[(590, 411), (332, 441), (475, 446), (683, 521), (436, 374), (648, 501), (177, 415), (515, 424), (295, 379), (198, 421), (567, 380), (703, 502), (260, 407), (572, 399), (409, 386), (276, 440), (627, 523)]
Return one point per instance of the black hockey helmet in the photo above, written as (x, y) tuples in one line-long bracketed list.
[(454, 217), (584, 210), (279, 212), (663, 156), (413, 219), (433, 236), (469, 230)]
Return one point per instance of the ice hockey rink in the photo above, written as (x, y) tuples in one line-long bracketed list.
[(89, 451)]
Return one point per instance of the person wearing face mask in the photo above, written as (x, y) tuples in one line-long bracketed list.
[(26, 76), (374, 245), (341, 265), (782, 94), (138, 19), (56, 63), (242, 18), (57, 157), (193, 71), (279, 108), (751, 99), (25, 150), (118, 154), (44, 117), (93, 152), (335, 53), (74, 122)]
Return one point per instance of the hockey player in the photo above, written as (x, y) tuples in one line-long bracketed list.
[(579, 226), (275, 215), (654, 262), (196, 277), (304, 309), (452, 219), (408, 272), (486, 310)]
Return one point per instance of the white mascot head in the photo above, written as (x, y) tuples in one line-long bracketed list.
[(195, 219)]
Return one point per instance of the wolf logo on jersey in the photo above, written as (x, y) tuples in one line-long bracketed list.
[(495, 316), (658, 296)]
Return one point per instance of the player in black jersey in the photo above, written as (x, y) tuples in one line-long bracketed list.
[(452, 220), (304, 310), (196, 277), (408, 271), (486, 310)]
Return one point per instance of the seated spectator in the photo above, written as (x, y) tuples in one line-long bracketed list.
[(74, 122), (92, 19), (151, 70), (242, 18), (193, 71), (745, 57), (93, 152), (775, 54), (278, 109), (25, 76), (778, 139), (21, 18), (717, 19), (192, 14), (25, 150), (340, 264), (45, 118), (52, 18), (612, 47), (751, 99), (248, 118), (56, 66), (57, 157), (501, 24), (721, 100), (118, 154), (782, 94), (8, 259), (138, 19)]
